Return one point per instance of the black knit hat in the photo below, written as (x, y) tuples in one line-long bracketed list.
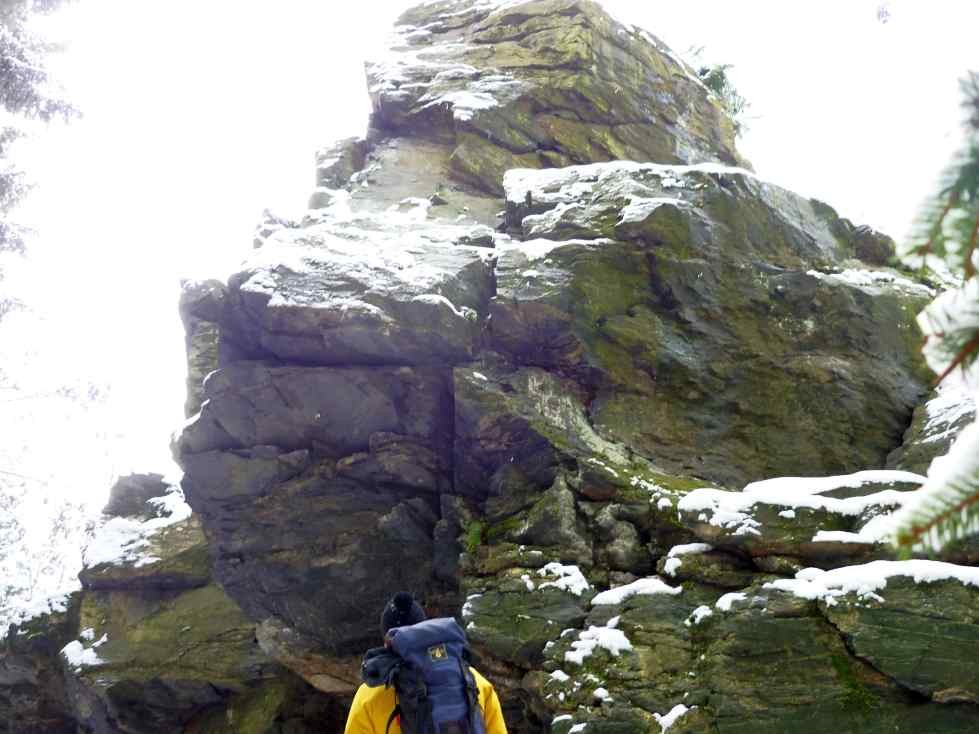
[(401, 611)]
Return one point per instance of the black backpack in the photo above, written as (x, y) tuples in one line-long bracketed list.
[(428, 665)]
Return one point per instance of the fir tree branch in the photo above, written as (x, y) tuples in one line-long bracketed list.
[(936, 229), (916, 532), (948, 508), (970, 268), (971, 347)]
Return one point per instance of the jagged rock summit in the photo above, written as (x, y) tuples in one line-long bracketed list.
[(541, 85), (535, 353)]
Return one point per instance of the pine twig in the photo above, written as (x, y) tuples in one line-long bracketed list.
[(970, 268), (916, 531), (936, 229), (970, 347)]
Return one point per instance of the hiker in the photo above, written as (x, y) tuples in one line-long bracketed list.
[(422, 677)]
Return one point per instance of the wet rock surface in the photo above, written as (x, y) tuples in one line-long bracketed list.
[(33, 695), (497, 388), (716, 319), (151, 643), (914, 634), (542, 84)]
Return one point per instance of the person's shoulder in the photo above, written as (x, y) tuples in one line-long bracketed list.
[(374, 698), (489, 702), (481, 683)]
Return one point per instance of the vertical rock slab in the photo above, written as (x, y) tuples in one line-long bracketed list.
[(319, 488), (153, 645)]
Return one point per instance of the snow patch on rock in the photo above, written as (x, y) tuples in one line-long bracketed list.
[(725, 602), (673, 560), (607, 638), (873, 281), (122, 540), (78, 656), (865, 580), (698, 615), (569, 578), (734, 509), (642, 587), (567, 185), (668, 719)]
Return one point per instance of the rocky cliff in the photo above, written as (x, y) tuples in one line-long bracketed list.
[(545, 352)]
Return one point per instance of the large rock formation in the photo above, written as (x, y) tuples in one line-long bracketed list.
[(464, 376), (538, 339)]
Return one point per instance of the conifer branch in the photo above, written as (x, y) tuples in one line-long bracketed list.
[(970, 348), (916, 533), (970, 268), (948, 509), (936, 228)]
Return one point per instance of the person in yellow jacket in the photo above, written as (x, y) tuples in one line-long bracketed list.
[(372, 707)]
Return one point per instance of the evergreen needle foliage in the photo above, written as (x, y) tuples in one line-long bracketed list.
[(948, 230), (716, 79), (26, 93)]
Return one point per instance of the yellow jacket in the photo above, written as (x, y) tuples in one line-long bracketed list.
[(372, 707)]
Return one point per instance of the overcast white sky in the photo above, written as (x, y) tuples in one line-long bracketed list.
[(200, 114)]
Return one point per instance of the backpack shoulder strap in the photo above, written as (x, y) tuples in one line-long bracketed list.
[(394, 714), (475, 714)]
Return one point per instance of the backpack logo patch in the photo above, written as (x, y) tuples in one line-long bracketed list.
[(437, 653)]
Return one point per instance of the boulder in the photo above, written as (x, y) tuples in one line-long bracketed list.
[(169, 556), (914, 633), (701, 563), (150, 664), (337, 163), (148, 539), (33, 693), (131, 493), (151, 644), (320, 488), (514, 623), (637, 648), (349, 294), (712, 315), (771, 664)]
